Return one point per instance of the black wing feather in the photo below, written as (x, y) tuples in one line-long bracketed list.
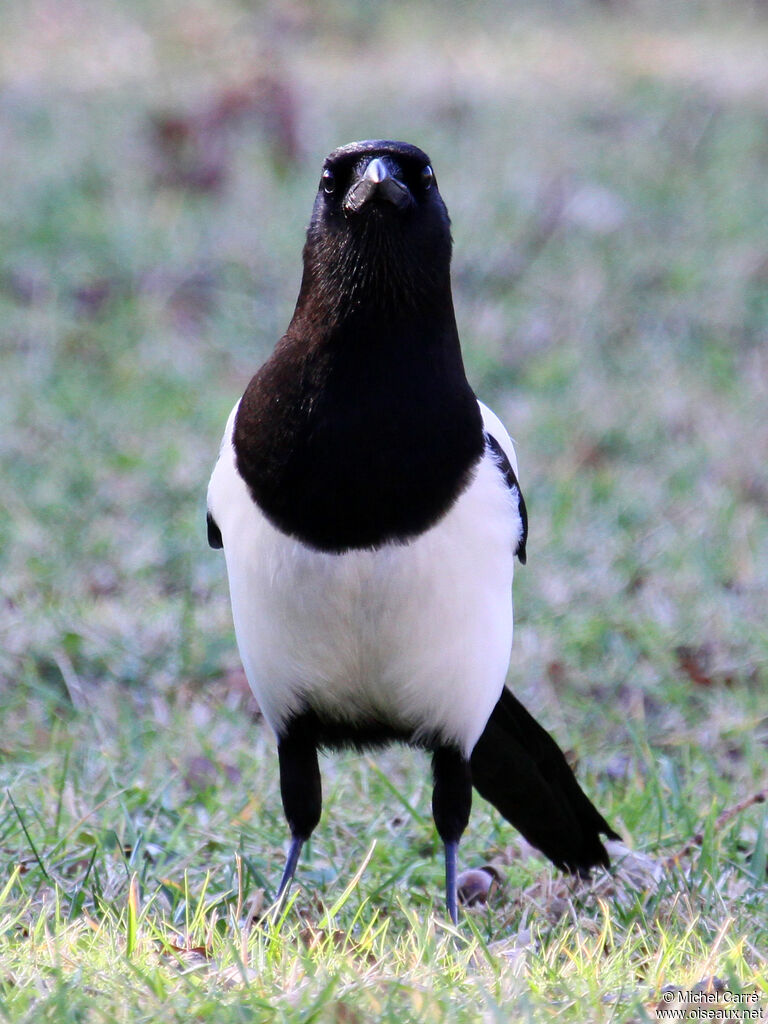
[(214, 533), (509, 475)]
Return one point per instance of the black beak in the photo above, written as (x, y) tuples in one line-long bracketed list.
[(378, 181)]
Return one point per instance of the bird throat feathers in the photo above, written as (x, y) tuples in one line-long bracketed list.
[(381, 262)]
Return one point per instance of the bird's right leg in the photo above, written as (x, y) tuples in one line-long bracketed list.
[(451, 804), (302, 796)]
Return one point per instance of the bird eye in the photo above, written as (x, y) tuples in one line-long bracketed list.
[(328, 181), (427, 177)]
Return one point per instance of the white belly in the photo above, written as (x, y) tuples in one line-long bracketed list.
[(415, 635)]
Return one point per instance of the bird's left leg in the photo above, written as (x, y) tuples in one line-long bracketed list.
[(301, 791), (451, 804)]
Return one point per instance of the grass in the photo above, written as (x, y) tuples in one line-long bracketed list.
[(604, 169)]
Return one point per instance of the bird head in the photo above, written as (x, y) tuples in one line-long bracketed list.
[(380, 231)]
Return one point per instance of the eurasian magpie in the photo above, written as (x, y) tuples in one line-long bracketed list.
[(370, 513)]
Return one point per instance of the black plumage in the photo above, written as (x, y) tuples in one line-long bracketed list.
[(518, 767), (346, 444)]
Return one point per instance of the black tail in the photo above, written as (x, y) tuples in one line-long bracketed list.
[(519, 768)]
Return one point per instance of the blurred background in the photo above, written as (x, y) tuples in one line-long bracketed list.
[(605, 167)]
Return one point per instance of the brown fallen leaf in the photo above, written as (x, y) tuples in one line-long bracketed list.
[(693, 661), (193, 149)]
